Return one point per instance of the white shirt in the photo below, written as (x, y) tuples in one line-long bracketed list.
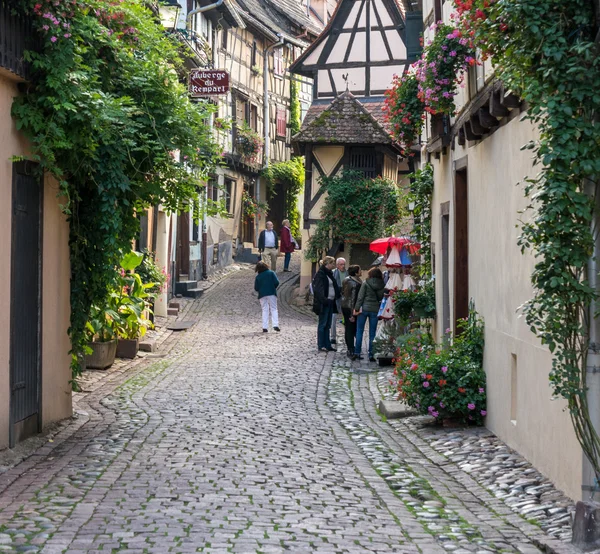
[(269, 239), (331, 292)]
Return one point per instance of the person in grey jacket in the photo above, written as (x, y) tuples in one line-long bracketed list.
[(339, 274), (350, 289), (367, 306)]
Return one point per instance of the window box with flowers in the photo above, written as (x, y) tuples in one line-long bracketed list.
[(249, 144), (251, 208)]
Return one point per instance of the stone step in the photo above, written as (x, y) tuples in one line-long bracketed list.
[(193, 293), (173, 311), (182, 286)]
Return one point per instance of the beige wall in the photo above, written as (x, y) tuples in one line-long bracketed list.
[(56, 393), (521, 410), (56, 310)]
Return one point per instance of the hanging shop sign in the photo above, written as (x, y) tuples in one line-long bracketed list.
[(208, 82)]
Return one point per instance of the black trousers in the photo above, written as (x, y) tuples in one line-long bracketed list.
[(350, 331)]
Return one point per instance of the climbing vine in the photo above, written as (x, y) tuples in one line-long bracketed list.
[(107, 116), (357, 209), (291, 175), (295, 116), (546, 51), (421, 191)]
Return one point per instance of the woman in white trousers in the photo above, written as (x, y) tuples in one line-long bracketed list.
[(266, 284)]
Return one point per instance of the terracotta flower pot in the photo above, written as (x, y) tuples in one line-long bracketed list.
[(128, 348), (102, 356)]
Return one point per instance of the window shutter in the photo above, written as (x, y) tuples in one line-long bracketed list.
[(281, 122)]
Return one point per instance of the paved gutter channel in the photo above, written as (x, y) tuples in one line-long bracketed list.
[(456, 511)]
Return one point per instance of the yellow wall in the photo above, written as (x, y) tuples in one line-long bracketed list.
[(56, 393), (499, 282)]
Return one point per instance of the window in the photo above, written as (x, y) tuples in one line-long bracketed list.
[(213, 190), (365, 161), (253, 122), (254, 59), (281, 122), (224, 39), (229, 192), (241, 109), (278, 61)]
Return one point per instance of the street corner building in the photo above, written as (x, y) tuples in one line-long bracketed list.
[(35, 372), (352, 64), (477, 162)]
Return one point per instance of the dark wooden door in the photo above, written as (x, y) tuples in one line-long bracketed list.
[(26, 305), (277, 206), (445, 268), (183, 245), (461, 247)]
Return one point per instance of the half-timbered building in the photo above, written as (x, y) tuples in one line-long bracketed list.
[(255, 48), (352, 64)]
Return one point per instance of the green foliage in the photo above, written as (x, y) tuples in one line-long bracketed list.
[(415, 303), (107, 116), (421, 193), (357, 209), (295, 122), (151, 273), (251, 207), (546, 52), (291, 175), (444, 381)]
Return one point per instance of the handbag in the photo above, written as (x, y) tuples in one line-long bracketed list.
[(382, 306)]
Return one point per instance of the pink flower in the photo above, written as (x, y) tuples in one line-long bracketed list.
[(426, 384), (481, 391), (414, 366), (53, 39), (444, 369), (471, 406), (483, 413), (442, 405), (435, 414)]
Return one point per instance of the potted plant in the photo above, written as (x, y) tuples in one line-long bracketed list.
[(249, 144), (102, 340), (424, 302), (130, 300)]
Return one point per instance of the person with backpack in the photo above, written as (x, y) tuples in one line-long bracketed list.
[(367, 306), (326, 292)]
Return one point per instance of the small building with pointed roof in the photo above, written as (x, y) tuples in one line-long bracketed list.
[(352, 64)]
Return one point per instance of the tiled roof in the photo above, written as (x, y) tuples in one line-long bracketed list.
[(346, 120), (264, 15), (293, 10)]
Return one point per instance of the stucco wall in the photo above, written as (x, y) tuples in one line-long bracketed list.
[(56, 310), (520, 405), (56, 392)]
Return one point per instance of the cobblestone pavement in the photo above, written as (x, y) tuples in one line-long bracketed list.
[(237, 440)]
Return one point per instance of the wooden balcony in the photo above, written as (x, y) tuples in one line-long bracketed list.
[(16, 36)]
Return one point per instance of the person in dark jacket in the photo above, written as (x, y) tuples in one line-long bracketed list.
[(366, 307), (326, 292), (286, 244), (266, 284), (350, 288), (268, 245)]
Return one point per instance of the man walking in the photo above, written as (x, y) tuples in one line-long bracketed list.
[(268, 245), (339, 274)]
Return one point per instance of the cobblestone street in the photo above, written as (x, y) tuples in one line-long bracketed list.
[(232, 440)]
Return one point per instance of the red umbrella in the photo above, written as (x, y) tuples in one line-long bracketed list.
[(381, 245)]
